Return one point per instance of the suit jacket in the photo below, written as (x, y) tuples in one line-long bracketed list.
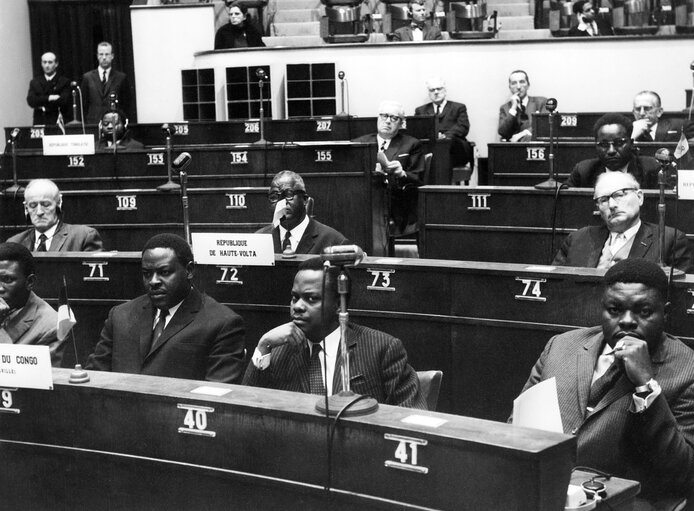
[(204, 340), (46, 112), (604, 28), (403, 191), (317, 236), (67, 238), (430, 33), (229, 36), (35, 323), (96, 96), (509, 124), (643, 168), (584, 247), (126, 143), (454, 124), (377, 364), (655, 447), (668, 130)]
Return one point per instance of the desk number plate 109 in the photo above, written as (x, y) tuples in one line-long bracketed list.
[(406, 454)]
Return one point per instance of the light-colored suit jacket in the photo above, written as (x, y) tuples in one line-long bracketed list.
[(67, 238)]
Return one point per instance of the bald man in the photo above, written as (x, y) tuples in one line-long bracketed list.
[(49, 93), (648, 125), (43, 204)]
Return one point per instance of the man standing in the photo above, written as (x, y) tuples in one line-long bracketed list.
[(419, 29), (623, 234), (626, 389), (43, 204), (648, 125), (616, 153), (514, 115), (400, 165), (49, 94), (114, 128), (173, 330), (292, 229), (289, 355), (98, 85), (450, 119), (24, 317)]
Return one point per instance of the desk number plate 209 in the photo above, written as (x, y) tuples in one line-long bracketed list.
[(406, 454)]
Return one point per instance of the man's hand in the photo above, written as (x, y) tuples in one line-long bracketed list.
[(640, 127), (515, 105), (395, 168), (520, 135), (4, 310), (288, 333), (632, 353), (54, 97)]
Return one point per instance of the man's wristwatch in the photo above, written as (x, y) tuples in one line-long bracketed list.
[(643, 391)]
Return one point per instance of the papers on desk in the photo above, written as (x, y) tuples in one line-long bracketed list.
[(685, 184), (538, 407)]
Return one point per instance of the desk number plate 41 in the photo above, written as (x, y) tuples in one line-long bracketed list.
[(406, 454)]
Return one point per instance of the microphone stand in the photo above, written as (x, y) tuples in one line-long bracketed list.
[(338, 401), (341, 76), (74, 121), (261, 75), (551, 183), (15, 189), (169, 185), (662, 181), (184, 205)]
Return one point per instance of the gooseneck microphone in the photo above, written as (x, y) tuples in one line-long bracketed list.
[(13, 135), (75, 91), (169, 185), (182, 161), (15, 189), (341, 76), (260, 74), (691, 98), (551, 183)]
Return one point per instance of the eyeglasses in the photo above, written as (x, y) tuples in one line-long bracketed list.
[(617, 196), (288, 194), (618, 143), (33, 205), (392, 118)]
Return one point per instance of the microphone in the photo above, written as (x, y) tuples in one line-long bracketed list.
[(551, 105), (182, 161), (113, 100), (663, 156), (341, 75), (166, 129), (74, 85), (343, 254), (260, 73), (13, 135)]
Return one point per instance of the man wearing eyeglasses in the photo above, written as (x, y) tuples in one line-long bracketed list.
[(293, 231), (616, 153), (648, 124), (623, 234), (43, 204)]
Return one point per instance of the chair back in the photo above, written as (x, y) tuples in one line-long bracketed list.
[(429, 386)]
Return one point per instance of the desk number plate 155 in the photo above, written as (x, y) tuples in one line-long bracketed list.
[(406, 454)]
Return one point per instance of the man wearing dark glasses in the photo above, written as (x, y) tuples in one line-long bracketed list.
[(615, 150), (292, 229)]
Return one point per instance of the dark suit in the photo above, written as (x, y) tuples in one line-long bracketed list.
[(429, 33), (403, 191), (46, 112), (317, 236), (246, 36), (67, 238), (377, 366), (204, 340), (584, 247), (35, 323), (604, 28), (509, 124), (667, 130), (96, 96), (643, 168), (454, 124), (655, 447), (125, 143)]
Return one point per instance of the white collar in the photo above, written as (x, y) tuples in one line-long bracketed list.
[(49, 235), (296, 233), (629, 233)]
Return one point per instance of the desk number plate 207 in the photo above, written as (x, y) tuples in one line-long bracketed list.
[(406, 454)]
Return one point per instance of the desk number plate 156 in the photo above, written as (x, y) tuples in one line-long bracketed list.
[(406, 454)]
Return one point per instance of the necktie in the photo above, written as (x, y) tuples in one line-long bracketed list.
[(103, 80), (607, 257), (438, 110), (419, 26), (315, 375), (286, 243), (383, 146), (159, 327), (42, 243), (602, 385)]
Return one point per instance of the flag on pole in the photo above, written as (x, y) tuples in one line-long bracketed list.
[(60, 122), (66, 319), (682, 146)]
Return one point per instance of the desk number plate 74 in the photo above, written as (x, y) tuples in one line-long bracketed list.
[(406, 454)]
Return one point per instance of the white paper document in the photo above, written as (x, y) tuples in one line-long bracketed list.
[(538, 407)]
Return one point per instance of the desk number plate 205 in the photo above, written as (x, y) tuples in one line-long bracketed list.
[(406, 454)]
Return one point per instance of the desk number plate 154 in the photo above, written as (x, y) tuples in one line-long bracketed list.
[(406, 454)]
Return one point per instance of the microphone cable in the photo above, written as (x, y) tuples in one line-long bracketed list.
[(557, 191)]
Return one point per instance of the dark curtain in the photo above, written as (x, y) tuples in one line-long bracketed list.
[(73, 28)]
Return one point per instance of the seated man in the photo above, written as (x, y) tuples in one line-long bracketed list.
[(419, 29), (113, 129), (626, 388), (292, 229), (615, 154), (451, 121), (400, 166), (623, 234), (43, 204), (24, 317), (173, 330), (648, 124), (288, 355), (515, 124), (587, 25)]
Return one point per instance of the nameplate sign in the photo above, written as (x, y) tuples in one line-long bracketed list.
[(685, 185), (25, 366), (233, 249), (67, 145)]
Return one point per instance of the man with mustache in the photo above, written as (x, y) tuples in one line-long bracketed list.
[(615, 150), (626, 388), (623, 234), (173, 330), (289, 355)]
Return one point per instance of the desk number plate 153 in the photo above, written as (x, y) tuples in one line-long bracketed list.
[(406, 454)]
